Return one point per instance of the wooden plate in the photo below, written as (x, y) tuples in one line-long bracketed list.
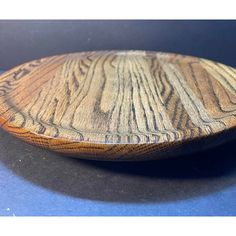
[(120, 105)]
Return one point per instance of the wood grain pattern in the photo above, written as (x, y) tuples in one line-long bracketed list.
[(119, 105)]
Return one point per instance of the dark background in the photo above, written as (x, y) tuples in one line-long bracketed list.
[(21, 41)]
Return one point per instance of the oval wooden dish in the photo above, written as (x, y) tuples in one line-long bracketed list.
[(120, 105)]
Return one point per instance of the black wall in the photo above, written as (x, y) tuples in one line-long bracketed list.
[(21, 41)]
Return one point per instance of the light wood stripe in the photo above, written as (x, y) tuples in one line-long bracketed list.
[(222, 75), (192, 104)]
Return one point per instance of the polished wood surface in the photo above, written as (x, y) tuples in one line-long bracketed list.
[(119, 105)]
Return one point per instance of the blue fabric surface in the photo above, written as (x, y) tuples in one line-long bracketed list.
[(20, 197), (37, 182)]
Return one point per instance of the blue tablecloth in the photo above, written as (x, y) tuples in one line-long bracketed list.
[(37, 182)]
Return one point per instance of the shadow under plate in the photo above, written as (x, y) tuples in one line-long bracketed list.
[(153, 181)]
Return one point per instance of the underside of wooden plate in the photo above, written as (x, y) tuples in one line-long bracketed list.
[(120, 105)]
